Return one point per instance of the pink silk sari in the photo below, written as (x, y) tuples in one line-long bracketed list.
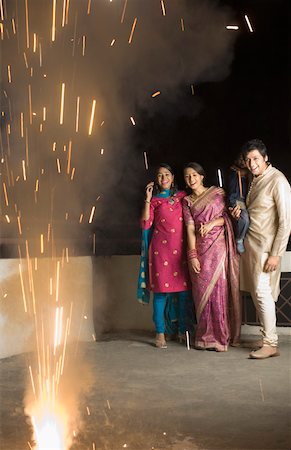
[(216, 287)]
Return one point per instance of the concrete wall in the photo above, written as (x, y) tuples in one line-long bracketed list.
[(115, 301)]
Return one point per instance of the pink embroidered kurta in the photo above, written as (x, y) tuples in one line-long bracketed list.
[(168, 270)]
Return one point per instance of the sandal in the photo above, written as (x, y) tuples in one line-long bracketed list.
[(160, 340)]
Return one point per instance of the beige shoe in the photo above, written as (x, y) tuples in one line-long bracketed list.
[(267, 351), (160, 340)]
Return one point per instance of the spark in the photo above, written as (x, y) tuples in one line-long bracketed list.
[(132, 120), (27, 23), (92, 117), (73, 173), (5, 193), (54, 21), (44, 113), (1, 10), (67, 12), (34, 42), (92, 214), (30, 104), (21, 125), (163, 8), (81, 218), (54, 146), (41, 244), (58, 165), (40, 55), (123, 11), (88, 410), (69, 158), (132, 30), (231, 27), (83, 45), (9, 73), (108, 404), (155, 94), (2, 31), (7, 218), (187, 340), (64, 14), (22, 289), (249, 24), (77, 114), (102, 151), (219, 177), (62, 104), (192, 89), (57, 281), (89, 7), (25, 60), (145, 160), (182, 24), (112, 42), (13, 25), (23, 170), (32, 382), (19, 224)]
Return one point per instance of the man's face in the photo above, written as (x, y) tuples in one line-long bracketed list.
[(256, 163)]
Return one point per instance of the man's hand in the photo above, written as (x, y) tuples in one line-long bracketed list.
[(272, 263), (235, 212)]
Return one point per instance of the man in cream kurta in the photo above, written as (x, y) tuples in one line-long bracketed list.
[(269, 206)]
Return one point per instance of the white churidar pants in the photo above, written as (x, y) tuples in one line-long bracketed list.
[(266, 307)]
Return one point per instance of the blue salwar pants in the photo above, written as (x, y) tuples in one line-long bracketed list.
[(170, 308)]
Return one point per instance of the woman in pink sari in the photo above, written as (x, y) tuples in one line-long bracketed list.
[(213, 263)]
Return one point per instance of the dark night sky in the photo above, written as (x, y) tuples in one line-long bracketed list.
[(253, 101)]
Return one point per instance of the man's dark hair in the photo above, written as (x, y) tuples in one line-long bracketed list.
[(254, 144)]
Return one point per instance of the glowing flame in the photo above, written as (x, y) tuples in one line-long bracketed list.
[(50, 429)]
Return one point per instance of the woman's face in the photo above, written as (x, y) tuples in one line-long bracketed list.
[(164, 178), (193, 179)]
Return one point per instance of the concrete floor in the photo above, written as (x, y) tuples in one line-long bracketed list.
[(143, 398)]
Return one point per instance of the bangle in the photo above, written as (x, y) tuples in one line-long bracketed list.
[(192, 254), (146, 201)]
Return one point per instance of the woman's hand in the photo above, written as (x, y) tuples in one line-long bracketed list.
[(195, 265), (205, 228), (149, 191)]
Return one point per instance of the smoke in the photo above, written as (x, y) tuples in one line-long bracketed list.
[(67, 172)]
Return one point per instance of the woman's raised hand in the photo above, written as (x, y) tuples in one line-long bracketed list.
[(149, 191)]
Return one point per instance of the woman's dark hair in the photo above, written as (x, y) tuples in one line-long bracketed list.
[(195, 166), (254, 144), (174, 188)]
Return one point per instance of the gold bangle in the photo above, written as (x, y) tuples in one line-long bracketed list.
[(146, 201)]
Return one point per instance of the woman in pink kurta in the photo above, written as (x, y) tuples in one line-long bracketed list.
[(213, 263), (167, 262)]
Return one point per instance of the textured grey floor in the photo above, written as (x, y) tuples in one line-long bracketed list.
[(144, 398)]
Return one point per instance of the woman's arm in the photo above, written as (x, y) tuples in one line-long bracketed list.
[(192, 251), (147, 202), (205, 228)]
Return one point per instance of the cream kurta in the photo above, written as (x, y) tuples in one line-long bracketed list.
[(269, 207)]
